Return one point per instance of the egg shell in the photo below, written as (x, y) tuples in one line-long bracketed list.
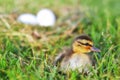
[(27, 19), (46, 17)]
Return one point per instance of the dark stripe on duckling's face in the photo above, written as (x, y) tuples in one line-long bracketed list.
[(86, 44)]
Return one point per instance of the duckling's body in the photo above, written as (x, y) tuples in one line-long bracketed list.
[(77, 61), (76, 58)]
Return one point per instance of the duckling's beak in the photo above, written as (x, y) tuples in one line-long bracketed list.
[(94, 49)]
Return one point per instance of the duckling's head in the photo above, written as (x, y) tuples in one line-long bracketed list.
[(83, 44)]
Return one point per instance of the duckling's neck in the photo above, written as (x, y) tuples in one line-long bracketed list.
[(79, 52)]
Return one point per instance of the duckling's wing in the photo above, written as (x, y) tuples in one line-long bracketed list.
[(59, 58), (62, 55)]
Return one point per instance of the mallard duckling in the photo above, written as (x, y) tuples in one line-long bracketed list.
[(77, 57)]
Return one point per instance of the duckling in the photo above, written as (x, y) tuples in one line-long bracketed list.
[(77, 57)]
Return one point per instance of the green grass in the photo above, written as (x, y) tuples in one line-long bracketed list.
[(25, 57)]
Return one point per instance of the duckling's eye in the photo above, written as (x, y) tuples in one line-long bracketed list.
[(87, 44)]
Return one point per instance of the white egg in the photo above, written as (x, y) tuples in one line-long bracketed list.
[(46, 17), (27, 19)]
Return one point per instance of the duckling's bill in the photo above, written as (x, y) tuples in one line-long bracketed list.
[(94, 49)]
